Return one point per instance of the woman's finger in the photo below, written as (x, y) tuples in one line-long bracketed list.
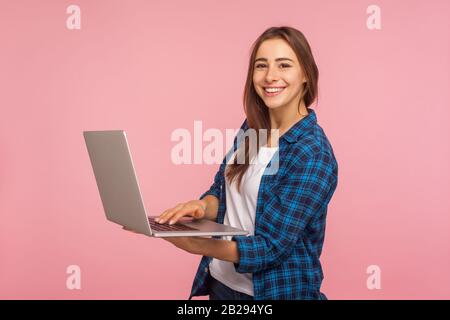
[(179, 214), (199, 213), (162, 218), (168, 213), (162, 215)]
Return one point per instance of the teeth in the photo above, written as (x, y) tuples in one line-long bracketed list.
[(271, 90)]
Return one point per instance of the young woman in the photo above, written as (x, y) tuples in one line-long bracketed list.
[(285, 212)]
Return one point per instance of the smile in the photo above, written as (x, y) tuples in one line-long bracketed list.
[(271, 92)]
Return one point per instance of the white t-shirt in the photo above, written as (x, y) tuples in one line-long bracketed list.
[(240, 213)]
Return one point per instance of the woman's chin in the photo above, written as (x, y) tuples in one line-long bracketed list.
[(273, 106)]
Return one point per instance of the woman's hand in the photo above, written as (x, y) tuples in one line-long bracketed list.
[(193, 208), (184, 243), (220, 249)]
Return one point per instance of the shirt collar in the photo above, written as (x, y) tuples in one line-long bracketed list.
[(300, 127)]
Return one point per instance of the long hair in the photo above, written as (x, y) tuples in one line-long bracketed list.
[(255, 109)]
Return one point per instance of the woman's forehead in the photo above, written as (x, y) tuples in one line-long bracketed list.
[(275, 48)]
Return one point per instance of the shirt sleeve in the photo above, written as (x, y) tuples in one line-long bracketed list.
[(215, 187), (293, 202)]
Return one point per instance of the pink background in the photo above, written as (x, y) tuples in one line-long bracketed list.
[(150, 67)]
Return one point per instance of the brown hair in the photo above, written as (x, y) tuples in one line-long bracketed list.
[(255, 109)]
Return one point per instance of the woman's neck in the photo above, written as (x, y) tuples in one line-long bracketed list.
[(283, 118)]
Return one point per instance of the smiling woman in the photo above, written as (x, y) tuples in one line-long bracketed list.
[(281, 82), (272, 90), (284, 212)]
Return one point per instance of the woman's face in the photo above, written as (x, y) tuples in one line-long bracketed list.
[(276, 66)]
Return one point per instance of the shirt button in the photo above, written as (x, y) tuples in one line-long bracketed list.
[(206, 269)]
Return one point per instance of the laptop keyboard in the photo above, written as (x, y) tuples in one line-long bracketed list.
[(167, 227)]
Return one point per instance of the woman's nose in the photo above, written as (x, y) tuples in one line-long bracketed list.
[(272, 74)]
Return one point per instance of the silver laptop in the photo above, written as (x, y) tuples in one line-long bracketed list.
[(119, 191)]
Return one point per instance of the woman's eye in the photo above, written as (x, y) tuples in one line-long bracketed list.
[(283, 65)]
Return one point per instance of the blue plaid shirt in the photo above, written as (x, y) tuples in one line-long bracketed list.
[(283, 254)]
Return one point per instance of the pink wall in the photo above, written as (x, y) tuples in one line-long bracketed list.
[(150, 67)]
